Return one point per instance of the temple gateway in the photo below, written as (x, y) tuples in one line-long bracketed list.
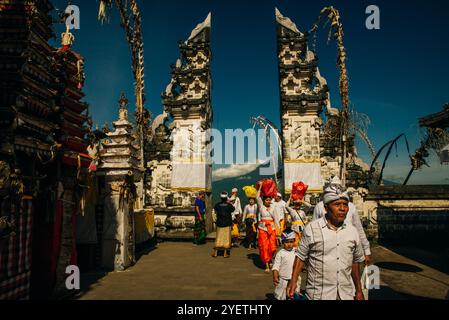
[(74, 194)]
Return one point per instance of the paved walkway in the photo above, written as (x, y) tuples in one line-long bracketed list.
[(182, 271)]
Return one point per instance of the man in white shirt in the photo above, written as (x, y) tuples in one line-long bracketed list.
[(279, 212), (331, 250), (236, 216), (351, 218), (237, 204)]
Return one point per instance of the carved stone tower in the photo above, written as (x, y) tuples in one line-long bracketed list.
[(303, 94), (187, 101), (119, 164)]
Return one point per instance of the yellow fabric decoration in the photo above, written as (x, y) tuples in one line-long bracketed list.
[(281, 229), (250, 191), (235, 230)]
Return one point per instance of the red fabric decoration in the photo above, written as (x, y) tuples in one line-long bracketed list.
[(64, 48), (93, 167), (299, 189), (269, 188)]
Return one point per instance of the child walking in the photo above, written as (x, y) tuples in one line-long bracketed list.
[(283, 266)]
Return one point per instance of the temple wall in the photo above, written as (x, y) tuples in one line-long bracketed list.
[(410, 214)]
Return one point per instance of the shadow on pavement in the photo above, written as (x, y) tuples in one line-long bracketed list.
[(143, 251), (397, 266), (436, 258), (220, 253), (88, 279), (256, 260), (270, 296), (386, 293)]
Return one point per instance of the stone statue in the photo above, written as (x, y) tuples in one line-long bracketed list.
[(67, 38)]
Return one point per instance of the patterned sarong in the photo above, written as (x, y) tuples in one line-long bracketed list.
[(199, 234), (15, 254)]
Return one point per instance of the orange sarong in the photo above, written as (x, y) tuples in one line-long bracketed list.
[(267, 242)]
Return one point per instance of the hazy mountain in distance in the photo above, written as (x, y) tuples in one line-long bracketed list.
[(237, 182)]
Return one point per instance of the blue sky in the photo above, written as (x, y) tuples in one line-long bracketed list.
[(397, 74)]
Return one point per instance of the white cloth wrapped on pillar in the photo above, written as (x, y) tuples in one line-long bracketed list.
[(191, 176), (309, 173)]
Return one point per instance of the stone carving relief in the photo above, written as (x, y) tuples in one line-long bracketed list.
[(196, 89), (288, 55), (290, 84), (198, 61)]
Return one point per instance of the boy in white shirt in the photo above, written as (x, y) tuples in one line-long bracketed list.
[(283, 266)]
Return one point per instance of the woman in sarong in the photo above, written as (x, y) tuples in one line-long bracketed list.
[(250, 219), (267, 230), (298, 218), (199, 233), (223, 211)]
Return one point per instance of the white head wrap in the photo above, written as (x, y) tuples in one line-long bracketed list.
[(235, 190), (333, 193), (288, 236), (224, 195)]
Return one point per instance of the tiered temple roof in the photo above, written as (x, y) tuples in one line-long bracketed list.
[(119, 153), (72, 114), (26, 78)]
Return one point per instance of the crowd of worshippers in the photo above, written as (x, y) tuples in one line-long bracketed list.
[(331, 248)]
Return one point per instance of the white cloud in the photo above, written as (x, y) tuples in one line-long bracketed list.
[(244, 178), (233, 171)]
